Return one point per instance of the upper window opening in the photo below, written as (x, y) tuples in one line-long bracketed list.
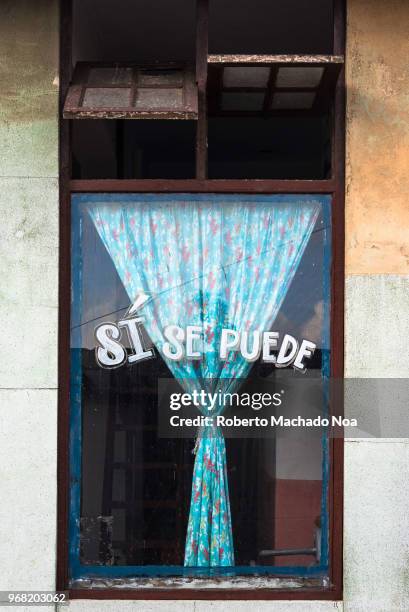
[(263, 26), (234, 70), (129, 30)]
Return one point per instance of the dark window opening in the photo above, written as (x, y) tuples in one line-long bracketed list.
[(142, 31), (267, 27), (270, 148), (266, 117), (133, 149), (239, 148)]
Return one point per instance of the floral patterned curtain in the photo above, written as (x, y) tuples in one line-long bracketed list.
[(214, 264)]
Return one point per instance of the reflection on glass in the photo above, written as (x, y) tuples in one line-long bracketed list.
[(114, 75), (306, 76), (245, 76), (152, 98), (171, 78), (106, 97)]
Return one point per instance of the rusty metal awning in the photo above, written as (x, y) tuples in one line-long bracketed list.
[(240, 85), (131, 91)]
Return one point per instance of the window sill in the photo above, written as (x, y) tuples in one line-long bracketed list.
[(246, 588)]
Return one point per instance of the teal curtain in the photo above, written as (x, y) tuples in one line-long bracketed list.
[(214, 264)]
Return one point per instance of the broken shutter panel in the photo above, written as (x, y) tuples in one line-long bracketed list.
[(118, 91)]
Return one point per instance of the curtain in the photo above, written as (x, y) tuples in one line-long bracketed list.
[(213, 264)]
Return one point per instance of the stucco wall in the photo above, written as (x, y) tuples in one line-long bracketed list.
[(377, 289), (28, 295), (377, 210), (376, 534)]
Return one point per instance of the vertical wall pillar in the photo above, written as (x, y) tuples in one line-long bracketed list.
[(28, 295), (377, 296)]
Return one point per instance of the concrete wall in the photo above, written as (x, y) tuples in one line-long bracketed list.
[(28, 294), (377, 289)]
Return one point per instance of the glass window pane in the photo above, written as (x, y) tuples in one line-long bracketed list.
[(114, 75), (306, 76), (171, 78), (106, 97), (151, 98), (253, 265), (245, 76)]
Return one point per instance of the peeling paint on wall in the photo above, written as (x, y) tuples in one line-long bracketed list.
[(28, 60), (29, 88), (377, 189)]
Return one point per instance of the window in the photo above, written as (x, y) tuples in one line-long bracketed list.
[(202, 183), (131, 91)]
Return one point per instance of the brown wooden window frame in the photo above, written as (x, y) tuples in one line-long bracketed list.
[(83, 80), (334, 185)]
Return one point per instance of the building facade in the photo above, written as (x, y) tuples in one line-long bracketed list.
[(376, 501)]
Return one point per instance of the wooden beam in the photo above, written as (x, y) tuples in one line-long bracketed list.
[(257, 60), (202, 44), (204, 186)]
